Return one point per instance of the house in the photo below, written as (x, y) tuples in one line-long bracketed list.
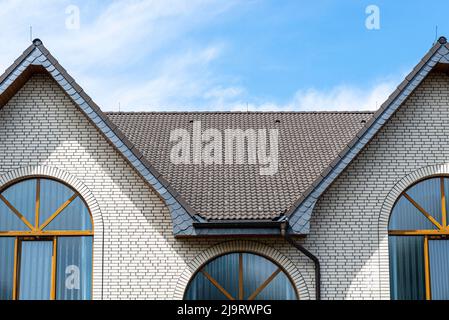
[(93, 206)]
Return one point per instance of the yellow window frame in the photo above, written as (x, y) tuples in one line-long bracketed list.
[(37, 233), (442, 231)]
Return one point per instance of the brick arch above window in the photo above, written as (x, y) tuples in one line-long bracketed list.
[(9, 178), (242, 246), (403, 184)]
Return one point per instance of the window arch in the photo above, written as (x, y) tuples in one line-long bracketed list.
[(419, 242), (46, 232), (240, 276)]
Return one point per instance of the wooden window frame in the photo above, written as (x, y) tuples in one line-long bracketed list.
[(37, 232), (441, 233), (253, 295)]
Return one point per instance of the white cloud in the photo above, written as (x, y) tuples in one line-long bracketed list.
[(16, 17), (344, 97), (127, 30), (179, 79), (115, 55), (224, 94), (123, 54), (339, 98)]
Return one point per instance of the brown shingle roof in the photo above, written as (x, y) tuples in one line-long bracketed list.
[(308, 143)]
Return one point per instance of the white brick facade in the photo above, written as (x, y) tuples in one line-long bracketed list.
[(135, 253), (349, 224), (43, 133)]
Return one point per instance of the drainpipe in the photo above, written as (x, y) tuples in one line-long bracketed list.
[(308, 254)]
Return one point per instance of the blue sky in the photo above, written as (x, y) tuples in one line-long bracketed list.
[(166, 55)]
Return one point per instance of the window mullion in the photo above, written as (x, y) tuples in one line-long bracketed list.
[(58, 211), (53, 271), (424, 212), (38, 200), (427, 268), (443, 203), (15, 269), (241, 292)]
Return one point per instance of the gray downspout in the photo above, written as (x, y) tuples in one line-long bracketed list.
[(307, 253)]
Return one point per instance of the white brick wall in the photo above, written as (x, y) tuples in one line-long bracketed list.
[(40, 128), (345, 229)]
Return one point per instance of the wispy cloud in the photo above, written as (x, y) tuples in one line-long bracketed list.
[(339, 98), (123, 51), (179, 80), (128, 30), (344, 97), (126, 52)]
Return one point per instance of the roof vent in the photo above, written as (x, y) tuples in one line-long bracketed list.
[(277, 121), (363, 121)]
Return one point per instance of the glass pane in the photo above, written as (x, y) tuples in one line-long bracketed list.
[(407, 280), (6, 267), (256, 270), (35, 270), (439, 269), (23, 197), (405, 216), (200, 288), (280, 288), (428, 195), (74, 268), (53, 195), (9, 221), (446, 192), (225, 270), (74, 217)]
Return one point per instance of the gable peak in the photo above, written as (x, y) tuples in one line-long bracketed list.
[(37, 42)]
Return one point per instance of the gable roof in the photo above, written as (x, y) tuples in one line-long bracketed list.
[(315, 148), (37, 59), (308, 142), (300, 213)]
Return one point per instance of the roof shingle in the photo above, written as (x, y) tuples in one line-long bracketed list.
[(308, 143)]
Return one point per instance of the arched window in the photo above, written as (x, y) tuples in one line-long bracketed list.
[(419, 242), (45, 242), (240, 276)]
